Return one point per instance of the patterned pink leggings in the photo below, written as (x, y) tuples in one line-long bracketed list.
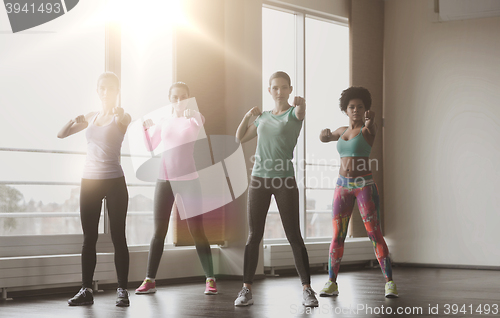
[(365, 191)]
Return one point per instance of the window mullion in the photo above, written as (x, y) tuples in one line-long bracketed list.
[(299, 89)]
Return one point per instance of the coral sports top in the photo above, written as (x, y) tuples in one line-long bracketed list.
[(354, 147)]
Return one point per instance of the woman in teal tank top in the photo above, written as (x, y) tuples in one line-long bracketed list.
[(273, 174), (355, 182)]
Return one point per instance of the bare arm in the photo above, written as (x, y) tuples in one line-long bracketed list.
[(122, 118), (198, 118), (152, 140), (326, 135), (247, 132), (370, 125), (300, 107), (75, 125)]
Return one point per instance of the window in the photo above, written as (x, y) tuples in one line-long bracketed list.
[(327, 74), (146, 73), (40, 174), (39, 92), (295, 42)]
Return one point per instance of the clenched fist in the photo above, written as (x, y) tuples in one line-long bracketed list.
[(369, 118), (148, 123), (299, 101), (118, 112), (80, 119), (253, 112), (188, 113), (325, 135)]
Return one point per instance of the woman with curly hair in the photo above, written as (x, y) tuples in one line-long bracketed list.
[(355, 183)]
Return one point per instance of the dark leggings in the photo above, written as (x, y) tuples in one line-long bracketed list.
[(286, 195), (92, 192), (163, 202)]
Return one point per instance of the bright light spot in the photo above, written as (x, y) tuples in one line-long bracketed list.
[(143, 21)]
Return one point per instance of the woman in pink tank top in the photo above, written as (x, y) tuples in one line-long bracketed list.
[(177, 183), (102, 179)]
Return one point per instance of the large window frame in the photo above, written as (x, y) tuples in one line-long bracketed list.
[(112, 63), (300, 90)]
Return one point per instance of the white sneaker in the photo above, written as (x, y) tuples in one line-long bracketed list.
[(244, 297)]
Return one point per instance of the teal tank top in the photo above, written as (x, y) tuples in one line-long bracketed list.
[(355, 147), (276, 138)]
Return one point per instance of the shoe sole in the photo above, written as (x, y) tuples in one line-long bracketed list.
[(310, 305), (250, 302), (210, 293), (391, 296), (81, 304), (122, 304), (149, 291), (323, 294)]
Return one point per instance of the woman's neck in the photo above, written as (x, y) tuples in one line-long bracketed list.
[(280, 106), (107, 109), (178, 114), (355, 124)]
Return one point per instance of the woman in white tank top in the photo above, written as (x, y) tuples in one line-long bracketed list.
[(102, 178)]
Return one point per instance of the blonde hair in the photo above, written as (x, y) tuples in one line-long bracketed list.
[(109, 75)]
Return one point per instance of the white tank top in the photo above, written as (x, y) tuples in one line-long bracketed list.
[(103, 151)]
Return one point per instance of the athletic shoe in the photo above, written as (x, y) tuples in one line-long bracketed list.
[(309, 298), (390, 290), (244, 297), (211, 288), (122, 298), (330, 289), (147, 287), (83, 297)]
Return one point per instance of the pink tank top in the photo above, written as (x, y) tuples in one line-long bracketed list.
[(178, 136), (103, 151)]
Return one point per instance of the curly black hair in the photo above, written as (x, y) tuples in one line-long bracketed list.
[(355, 92)]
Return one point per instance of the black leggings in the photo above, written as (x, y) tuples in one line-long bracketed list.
[(92, 192), (163, 202), (286, 195)]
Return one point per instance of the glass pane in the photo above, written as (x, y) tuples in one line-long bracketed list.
[(147, 73), (278, 49), (278, 54), (140, 220), (49, 75), (327, 74), (41, 210), (274, 227), (321, 177), (319, 213), (147, 58)]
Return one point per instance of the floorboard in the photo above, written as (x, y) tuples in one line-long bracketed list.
[(361, 295)]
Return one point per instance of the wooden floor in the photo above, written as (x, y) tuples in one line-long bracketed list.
[(361, 295)]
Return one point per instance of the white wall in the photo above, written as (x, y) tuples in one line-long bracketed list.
[(441, 137)]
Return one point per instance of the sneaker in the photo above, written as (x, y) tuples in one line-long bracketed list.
[(330, 289), (211, 288), (390, 290), (147, 287), (83, 297), (309, 298), (122, 298), (244, 297)]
